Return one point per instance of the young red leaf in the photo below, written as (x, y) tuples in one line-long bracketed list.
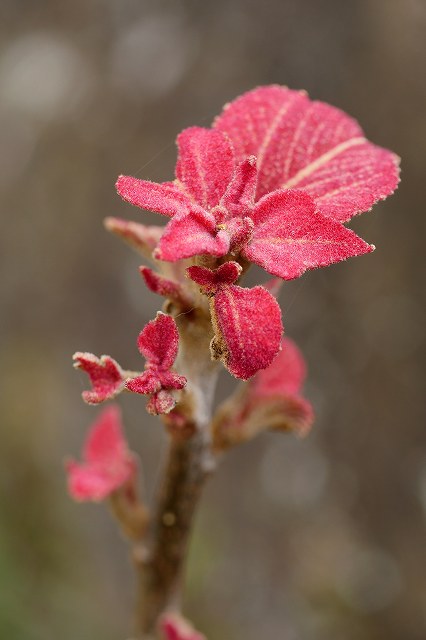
[(175, 627), (211, 280), (106, 376), (290, 236), (158, 342), (309, 145), (166, 198), (248, 329), (107, 462), (139, 236), (205, 165)]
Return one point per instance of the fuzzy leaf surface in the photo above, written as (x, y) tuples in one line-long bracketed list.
[(248, 329), (205, 164), (166, 197), (158, 342), (307, 144), (290, 236)]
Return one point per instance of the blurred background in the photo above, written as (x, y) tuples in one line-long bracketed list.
[(319, 539)]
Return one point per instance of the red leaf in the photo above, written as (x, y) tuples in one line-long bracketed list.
[(158, 342), (166, 198), (248, 329), (290, 236), (309, 145), (107, 462), (106, 376), (205, 164), (190, 235)]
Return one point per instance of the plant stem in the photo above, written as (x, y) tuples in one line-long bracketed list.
[(189, 462)]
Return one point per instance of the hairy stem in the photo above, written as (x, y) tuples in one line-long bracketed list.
[(189, 462)]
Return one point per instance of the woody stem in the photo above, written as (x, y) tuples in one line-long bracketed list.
[(189, 462)]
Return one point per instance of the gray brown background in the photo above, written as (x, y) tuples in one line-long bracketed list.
[(321, 539)]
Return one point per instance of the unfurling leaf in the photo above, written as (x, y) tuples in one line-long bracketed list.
[(158, 342)]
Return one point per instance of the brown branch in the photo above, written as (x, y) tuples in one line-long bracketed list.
[(160, 567), (161, 573)]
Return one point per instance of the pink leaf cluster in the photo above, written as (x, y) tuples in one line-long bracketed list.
[(175, 627), (107, 462), (106, 376), (283, 232), (272, 181), (247, 322), (158, 342)]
